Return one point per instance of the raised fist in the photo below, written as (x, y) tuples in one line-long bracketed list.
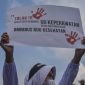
[(5, 38)]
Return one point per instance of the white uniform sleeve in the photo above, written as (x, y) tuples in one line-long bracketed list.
[(10, 74), (70, 74)]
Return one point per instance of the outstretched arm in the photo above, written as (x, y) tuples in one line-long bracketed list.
[(78, 55), (9, 69), (72, 69), (8, 49)]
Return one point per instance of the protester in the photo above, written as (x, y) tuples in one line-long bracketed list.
[(40, 74)]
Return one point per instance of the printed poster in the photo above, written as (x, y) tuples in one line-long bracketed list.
[(46, 26)]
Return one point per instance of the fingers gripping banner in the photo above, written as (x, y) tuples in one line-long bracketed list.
[(45, 25)]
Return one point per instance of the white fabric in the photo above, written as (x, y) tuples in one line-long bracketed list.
[(49, 82), (39, 77)]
